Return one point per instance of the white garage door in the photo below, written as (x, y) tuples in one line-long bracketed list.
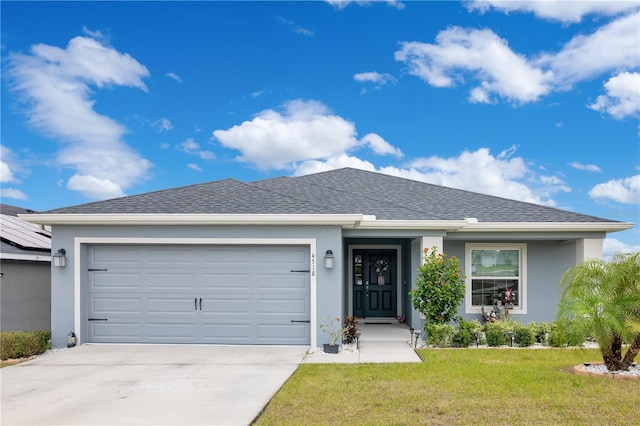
[(198, 294)]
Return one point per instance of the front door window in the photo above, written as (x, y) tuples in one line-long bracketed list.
[(374, 283)]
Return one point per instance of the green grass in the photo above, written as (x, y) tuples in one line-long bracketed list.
[(457, 386)]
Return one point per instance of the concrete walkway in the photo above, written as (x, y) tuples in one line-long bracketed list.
[(379, 343)]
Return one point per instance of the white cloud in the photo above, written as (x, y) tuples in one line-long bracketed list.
[(93, 34), (94, 187), (374, 77), (162, 124), (504, 175), (13, 193), (195, 167), (621, 190), (380, 146), (174, 76), (296, 28), (613, 246), (484, 57), (6, 175), (622, 98), (56, 84), (341, 4), (586, 167), (613, 46), (494, 70), (304, 130), (567, 11), (192, 147)]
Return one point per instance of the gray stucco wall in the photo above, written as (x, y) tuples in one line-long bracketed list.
[(25, 295), (329, 281)]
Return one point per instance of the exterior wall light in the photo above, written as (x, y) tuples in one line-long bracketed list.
[(59, 259), (328, 259)]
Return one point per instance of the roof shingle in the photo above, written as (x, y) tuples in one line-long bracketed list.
[(341, 191)]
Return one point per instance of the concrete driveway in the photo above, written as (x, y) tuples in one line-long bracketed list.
[(146, 385)]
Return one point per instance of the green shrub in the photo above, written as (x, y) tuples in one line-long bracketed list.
[(464, 335), (497, 333), (22, 344), (523, 336), (541, 331), (439, 335), (558, 338)]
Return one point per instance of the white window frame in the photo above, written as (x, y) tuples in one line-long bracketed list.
[(522, 248)]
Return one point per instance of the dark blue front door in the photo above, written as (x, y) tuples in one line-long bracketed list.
[(374, 283)]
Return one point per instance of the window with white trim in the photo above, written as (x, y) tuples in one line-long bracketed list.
[(496, 274)]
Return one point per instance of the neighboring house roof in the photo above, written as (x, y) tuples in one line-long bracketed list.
[(21, 240), (348, 193)]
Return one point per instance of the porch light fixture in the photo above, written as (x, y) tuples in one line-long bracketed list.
[(59, 258), (328, 259)]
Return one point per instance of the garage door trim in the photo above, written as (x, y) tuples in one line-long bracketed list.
[(80, 241)]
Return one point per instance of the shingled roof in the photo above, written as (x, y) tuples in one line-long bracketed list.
[(341, 191)]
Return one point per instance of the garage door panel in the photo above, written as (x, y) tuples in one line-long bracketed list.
[(114, 281), (281, 282), (115, 305), (172, 305), (282, 256), (226, 281), (171, 281), (287, 333), (172, 255), (282, 307), (171, 332), (221, 332), (116, 255), (123, 332), (226, 305), (192, 294)]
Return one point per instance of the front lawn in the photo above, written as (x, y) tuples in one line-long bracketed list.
[(457, 386)]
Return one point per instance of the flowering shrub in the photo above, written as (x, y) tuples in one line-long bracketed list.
[(440, 288)]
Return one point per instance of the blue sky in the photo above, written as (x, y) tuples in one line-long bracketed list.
[(535, 101)]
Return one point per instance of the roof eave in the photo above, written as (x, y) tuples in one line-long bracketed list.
[(441, 225), (26, 257), (193, 219), (547, 226), (345, 220)]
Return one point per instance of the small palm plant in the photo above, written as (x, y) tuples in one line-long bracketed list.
[(603, 300)]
